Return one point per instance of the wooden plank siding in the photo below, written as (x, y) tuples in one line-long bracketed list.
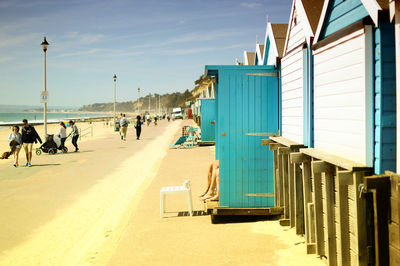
[(292, 95), (340, 98), (297, 34), (208, 114), (292, 81), (342, 13), (385, 99)]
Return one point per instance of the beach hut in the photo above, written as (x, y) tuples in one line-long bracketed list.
[(272, 49), (259, 54), (247, 104), (354, 83), (297, 72), (208, 119), (208, 113), (249, 58)]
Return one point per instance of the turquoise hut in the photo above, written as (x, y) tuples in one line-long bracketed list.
[(247, 108), (354, 83), (208, 113)]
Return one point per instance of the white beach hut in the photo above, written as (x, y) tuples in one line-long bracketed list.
[(354, 83), (297, 72)]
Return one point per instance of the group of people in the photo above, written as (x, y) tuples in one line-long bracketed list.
[(123, 124), (29, 135)]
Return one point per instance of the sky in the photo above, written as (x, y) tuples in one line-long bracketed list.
[(160, 46)]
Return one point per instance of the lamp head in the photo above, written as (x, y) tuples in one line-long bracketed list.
[(115, 77), (45, 44)]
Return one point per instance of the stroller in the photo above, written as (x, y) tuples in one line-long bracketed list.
[(50, 146)]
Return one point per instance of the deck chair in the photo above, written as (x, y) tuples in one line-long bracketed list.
[(192, 138), (179, 143)]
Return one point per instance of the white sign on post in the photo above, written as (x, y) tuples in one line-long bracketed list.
[(44, 96)]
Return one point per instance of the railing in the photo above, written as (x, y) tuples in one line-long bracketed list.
[(321, 197), (85, 132)]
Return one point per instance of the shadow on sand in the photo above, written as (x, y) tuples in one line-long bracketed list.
[(48, 164)]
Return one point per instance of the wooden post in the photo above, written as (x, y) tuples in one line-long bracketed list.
[(343, 179), (317, 200), (310, 232), (284, 189), (381, 191), (359, 212), (276, 191), (299, 201), (277, 177), (329, 218), (291, 192)]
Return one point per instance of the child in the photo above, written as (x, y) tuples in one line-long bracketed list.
[(15, 140)]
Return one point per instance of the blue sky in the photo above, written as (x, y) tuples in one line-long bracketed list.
[(159, 46)]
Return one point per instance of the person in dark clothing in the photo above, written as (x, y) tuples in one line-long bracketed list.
[(75, 134), (138, 126), (29, 136)]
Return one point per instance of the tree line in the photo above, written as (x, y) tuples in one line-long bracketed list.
[(168, 101)]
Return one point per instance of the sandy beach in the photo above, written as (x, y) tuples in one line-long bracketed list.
[(100, 206)]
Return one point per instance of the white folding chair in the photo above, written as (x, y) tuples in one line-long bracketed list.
[(185, 188)]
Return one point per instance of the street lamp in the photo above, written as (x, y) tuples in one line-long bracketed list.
[(44, 94), (138, 91), (115, 95)]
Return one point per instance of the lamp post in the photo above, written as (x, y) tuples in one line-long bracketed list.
[(138, 91), (115, 96), (44, 45)]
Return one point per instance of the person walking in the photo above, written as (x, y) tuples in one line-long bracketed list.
[(124, 126), (148, 119), (62, 134), (29, 136), (75, 134), (138, 126), (15, 140)]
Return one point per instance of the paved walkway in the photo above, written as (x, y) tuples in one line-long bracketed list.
[(67, 209), (185, 240)]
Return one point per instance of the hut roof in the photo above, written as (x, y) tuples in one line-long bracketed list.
[(279, 31), (313, 10)]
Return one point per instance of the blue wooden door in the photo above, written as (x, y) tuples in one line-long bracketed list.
[(247, 108), (208, 113)]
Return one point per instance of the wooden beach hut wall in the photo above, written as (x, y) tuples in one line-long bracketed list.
[(208, 113), (394, 6), (297, 72), (354, 83), (247, 99)]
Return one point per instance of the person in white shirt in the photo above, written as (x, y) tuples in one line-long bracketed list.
[(15, 140), (124, 126), (62, 134)]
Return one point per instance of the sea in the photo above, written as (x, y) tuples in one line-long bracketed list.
[(7, 118)]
